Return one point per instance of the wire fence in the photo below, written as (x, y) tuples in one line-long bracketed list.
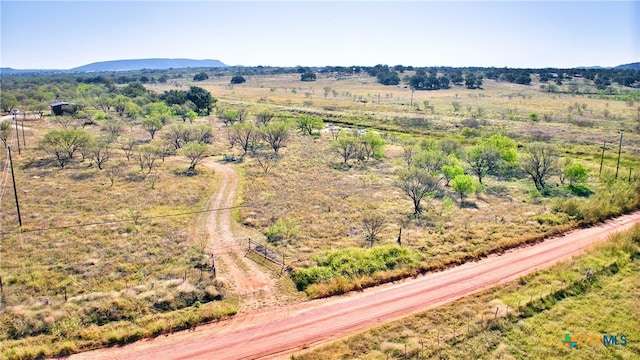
[(267, 253)]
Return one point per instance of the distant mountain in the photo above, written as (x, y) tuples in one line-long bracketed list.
[(152, 64), (632, 66)]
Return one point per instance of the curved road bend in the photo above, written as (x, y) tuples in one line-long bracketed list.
[(279, 331)]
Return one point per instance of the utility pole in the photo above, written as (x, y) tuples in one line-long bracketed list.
[(619, 152), (15, 192), (604, 146)]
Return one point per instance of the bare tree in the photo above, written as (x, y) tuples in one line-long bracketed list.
[(99, 153), (244, 134), (327, 90), (147, 155), (113, 129), (114, 172), (266, 161), (408, 153), (176, 134), (127, 145), (373, 224), (540, 161), (417, 184)]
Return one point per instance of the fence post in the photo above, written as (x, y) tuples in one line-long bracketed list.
[(497, 308)]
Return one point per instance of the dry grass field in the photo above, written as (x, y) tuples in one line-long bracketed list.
[(124, 255), (324, 201)]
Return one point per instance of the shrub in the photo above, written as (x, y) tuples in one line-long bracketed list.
[(354, 263)]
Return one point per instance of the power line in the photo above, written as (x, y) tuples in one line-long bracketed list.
[(134, 219)]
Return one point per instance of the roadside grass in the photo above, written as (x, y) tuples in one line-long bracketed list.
[(590, 295)]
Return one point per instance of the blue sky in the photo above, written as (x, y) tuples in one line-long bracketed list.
[(62, 35)]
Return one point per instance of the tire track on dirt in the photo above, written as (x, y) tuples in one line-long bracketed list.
[(243, 276)]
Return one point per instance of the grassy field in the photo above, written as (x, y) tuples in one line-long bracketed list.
[(126, 264), (533, 315)]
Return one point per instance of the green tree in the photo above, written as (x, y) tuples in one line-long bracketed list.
[(483, 159), (417, 184), (276, 134), (63, 144), (539, 161), (431, 160), (195, 152), (507, 147), (345, 146), (451, 171), (576, 173), (463, 185), (308, 124), (202, 99), (370, 146), (152, 124), (228, 116), (8, 101)]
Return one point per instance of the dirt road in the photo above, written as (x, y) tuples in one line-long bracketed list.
[(277, 332), (242, 276)]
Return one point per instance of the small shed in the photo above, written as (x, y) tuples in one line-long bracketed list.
[(63, 107)]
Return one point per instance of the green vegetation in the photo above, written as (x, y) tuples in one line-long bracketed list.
[(341, 267)]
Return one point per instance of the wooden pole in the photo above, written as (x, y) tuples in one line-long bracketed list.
[(619, 152), (15, 119), (24, 142), (604, 145), (15, 192)]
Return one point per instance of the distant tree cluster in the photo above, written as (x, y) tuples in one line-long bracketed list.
[(384, 74), (238, 79), (423, 81), (308, 76), (201, 76)]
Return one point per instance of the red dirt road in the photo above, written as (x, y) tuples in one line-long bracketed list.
[(276, 332)]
